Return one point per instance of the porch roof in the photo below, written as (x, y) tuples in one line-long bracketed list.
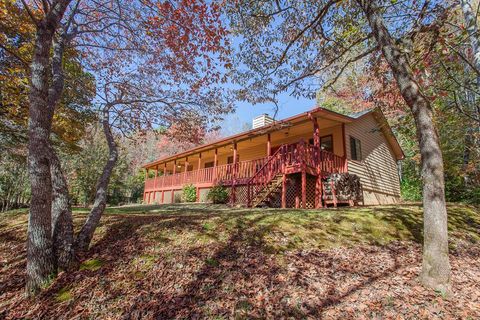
[(275, 126), (282, 124)]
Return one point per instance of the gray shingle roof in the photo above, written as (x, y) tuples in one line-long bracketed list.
[(360, 113)]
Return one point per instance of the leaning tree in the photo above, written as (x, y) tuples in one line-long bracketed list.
[(153, 62), (296, 46)]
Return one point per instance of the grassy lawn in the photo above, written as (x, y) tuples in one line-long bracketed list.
[(215, 262)]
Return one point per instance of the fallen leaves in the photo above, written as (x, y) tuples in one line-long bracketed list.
[(129, 274)]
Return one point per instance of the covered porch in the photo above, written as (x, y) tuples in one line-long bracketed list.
[(234, 161)]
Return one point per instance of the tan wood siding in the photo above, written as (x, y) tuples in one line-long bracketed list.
[(378, 168)]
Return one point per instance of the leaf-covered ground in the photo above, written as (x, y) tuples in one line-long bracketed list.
[(212, 262)]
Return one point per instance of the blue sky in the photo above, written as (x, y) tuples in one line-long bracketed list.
[(245, 112), (288, 106)]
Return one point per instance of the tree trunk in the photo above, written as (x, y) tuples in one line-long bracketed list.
[(86, 233), (435, 267), (469, 145), (472, 30), (40, 261), (62, 222), (8, 199)]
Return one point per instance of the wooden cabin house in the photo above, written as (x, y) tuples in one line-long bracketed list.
[(286, 163)]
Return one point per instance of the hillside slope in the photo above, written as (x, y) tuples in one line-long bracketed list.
[(205, 261)]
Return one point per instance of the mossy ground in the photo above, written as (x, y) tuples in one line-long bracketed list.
[(295, 229)]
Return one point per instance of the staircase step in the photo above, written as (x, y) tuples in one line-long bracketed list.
[(272, 188)]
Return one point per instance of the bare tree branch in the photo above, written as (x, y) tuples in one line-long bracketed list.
[(348, 62), (30, 13), (312, 23)]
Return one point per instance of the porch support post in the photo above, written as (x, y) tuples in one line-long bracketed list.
[(215, 161), (345, 165), (235, 153), (156, 176), (164, 174), (185, 172), (318, 160), (163, 196), (304, 189), (316, 130), (284, 191), (197, 178), (144, 187), (234, 199), (269, 145), (173, 182), (318, 192)]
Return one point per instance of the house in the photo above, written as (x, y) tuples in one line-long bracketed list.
[(287, 163)]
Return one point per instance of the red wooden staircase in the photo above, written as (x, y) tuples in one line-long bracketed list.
[(271, 179), (267, 179)]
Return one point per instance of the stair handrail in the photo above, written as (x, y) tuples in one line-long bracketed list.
[(277, 155)]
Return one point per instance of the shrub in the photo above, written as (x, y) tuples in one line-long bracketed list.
[(474, 196), (218, 194), (189, 193), (411, 189)]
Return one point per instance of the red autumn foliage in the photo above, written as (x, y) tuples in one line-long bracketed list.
[(370, 89)]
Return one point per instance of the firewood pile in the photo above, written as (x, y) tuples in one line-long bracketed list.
[(347, 187)]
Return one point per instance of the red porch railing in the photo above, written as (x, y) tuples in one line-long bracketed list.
[(329, 162), (262, 170), (220, 174)]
